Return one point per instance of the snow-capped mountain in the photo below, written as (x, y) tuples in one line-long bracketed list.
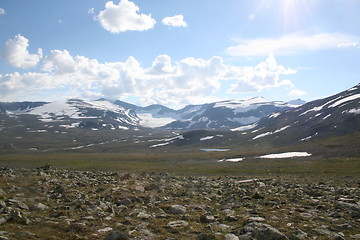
[(227, 114), (77, 113), (332, 116), (121, 115), (335, 119)]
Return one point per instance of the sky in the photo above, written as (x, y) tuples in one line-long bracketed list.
[(178, 52)]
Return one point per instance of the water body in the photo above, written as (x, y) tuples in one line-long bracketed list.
[(214, 149)]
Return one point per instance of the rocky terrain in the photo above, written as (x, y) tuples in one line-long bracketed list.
[(47, 203)]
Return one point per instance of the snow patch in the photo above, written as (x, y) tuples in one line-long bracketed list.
[(231, 160), (354, 111), (148, 120), (344, 100), (160, 144), (244, 128), (270, 133), (206, 138), (286, 155)]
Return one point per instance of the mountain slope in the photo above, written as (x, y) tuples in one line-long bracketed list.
[(78, 113), (332, 116), (332, 122)]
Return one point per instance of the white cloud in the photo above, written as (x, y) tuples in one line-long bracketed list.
[(174, 21), (297, 93), (91, 11), (293, 44), (256, 78), (124, 17), (188, 81), (16, 53), (2, 11)]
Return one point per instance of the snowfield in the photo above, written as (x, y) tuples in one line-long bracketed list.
[(147, 120)]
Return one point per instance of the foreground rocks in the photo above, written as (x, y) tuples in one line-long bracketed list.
[(46, 203)]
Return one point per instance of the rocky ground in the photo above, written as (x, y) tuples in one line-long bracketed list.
[(46, 203)]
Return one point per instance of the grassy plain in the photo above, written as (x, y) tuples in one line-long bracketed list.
[(186, 164)]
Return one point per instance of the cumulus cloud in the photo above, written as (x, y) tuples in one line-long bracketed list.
[(16, 53), (264, 75), (188, 81), (2, 11), (174, 21), (293, 44), (124, 16)]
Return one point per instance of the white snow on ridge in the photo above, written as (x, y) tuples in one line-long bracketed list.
[(275, 115), (160, 144), (270, 133), (244, 128), (286, 155), (240, 106), (347, 99), (206, 138), (354, 111)]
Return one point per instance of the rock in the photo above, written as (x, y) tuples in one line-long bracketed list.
[(354, 209), (2, 193), (2, 220), (76, 227), (257, 196), (329, 234), (231, 236), (115, 235), (178, 224), (246, 237), (263, 231), (17, 217), (104, 230), (59, 189), (39, 207), (206, 218), (254, 219), (204, 236), (176, 209), (299, 235)]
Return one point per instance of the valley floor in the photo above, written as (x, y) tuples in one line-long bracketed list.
[(48, 203)]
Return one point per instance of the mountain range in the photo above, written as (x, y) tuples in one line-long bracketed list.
[(234, 124), (117, 114)]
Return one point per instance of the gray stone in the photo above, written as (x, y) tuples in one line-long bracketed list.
[(329, 234), (39, 207), (264, 231), (177, 209), (231, 236), (115, 235), (178, 224), (206, 218), (204, 236), (299, 235)]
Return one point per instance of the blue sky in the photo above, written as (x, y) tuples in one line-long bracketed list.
[(178, 52)]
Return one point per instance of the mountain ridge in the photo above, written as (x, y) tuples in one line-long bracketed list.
[(223, 114)]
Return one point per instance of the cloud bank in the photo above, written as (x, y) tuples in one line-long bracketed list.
[(190, 80), (124, 16), (293, 44)]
